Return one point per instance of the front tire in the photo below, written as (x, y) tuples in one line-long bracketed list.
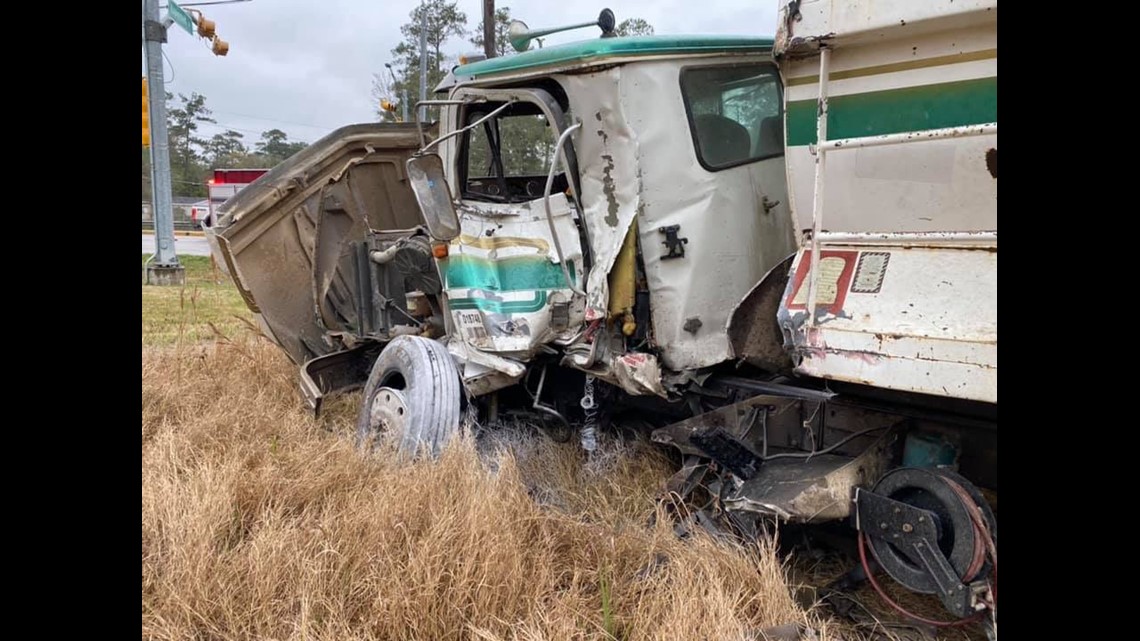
[(412, 400)]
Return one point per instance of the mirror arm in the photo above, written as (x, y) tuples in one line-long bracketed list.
[(427, 103), (480, 121), (546, 203)]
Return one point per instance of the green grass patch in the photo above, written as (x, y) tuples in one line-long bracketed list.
[(188, 314)]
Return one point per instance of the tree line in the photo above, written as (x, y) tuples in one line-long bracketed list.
[(193, 157), (445, 21)]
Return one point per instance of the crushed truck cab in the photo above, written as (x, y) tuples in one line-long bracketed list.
[(666, 204), (656, 217)]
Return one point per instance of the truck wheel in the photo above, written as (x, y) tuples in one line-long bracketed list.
[(412, 400)]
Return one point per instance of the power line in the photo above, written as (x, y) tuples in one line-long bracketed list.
[(227, 127), (286, 122), (203, 4), (221, 126), (166, 82), (252, 131)]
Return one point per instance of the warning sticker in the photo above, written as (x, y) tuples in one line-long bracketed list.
[(836, 268), (870, 272), (827, 288), (471, 327)]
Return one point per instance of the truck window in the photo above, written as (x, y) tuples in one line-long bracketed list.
[(735, 113), (506, 159)]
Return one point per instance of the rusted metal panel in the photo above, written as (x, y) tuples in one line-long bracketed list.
[(910, 136), (895, 284), (812, 490), (606, 147), (812, 454), (919, 319), (803, 24)]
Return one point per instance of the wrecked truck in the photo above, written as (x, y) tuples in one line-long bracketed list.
[(776, 256)]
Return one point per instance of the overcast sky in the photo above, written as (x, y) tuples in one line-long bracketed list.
[(306, 66)]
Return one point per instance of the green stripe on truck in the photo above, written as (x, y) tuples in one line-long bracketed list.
[(950, 104)]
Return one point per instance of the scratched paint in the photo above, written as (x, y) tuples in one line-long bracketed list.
[(931, 328), (608, 189), (501, 287)]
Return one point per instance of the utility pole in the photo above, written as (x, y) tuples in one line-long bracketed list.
[(489, 28), (163, 267), (423, 61)]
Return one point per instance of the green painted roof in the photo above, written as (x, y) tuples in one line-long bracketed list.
[(600, 48)]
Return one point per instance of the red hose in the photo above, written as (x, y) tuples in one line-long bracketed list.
[(983, 544), (983, 540), (875, 584)]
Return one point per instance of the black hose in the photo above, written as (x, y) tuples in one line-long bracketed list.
[(826, 449)]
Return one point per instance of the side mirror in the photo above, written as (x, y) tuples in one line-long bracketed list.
[(425, 173), (519, 35)]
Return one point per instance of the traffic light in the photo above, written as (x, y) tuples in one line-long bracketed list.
[(146, 115), (390, 107), (206, 27)]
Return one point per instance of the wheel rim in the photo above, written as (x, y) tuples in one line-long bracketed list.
[(387, 415)]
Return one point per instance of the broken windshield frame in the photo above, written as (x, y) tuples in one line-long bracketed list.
[(459, 131), (522, 186)]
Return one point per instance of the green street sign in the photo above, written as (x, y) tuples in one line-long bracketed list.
[(179, 15)]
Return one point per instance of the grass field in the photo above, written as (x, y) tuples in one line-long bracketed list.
[(189, 314), (261, 522)]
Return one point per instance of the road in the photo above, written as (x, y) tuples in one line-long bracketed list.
[(183, 245)]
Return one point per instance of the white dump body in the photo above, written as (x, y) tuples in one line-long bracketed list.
[(900, 201)]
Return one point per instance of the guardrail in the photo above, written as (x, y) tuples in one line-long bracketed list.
[(179, 225)]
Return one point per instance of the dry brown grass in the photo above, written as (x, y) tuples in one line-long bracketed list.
[(870, 617), (259, 522)]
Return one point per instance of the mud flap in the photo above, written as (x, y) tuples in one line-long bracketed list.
[(816, 489), (336, 373), (790, 483)]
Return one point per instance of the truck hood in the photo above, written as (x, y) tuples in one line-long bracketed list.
[(293, 239)]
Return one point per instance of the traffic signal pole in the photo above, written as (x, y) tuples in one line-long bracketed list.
[(163, 267), (423, 63)]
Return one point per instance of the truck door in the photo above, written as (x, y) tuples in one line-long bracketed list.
[(506, 287)]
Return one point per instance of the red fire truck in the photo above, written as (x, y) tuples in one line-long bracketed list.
[(223, 186)]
